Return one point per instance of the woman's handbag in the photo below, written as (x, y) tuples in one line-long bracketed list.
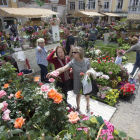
[(95, 88), (69, 85)]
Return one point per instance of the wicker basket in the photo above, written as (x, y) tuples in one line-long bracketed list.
[(30, 76)]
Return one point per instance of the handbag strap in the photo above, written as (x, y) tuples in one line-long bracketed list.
[(66, 73)]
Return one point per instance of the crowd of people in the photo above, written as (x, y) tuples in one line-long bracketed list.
[(72, 56)]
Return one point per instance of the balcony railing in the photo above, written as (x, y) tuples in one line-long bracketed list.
[(54, 1)]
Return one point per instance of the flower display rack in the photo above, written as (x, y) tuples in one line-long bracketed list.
[(95, 97)]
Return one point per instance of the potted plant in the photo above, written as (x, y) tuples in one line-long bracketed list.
[(1, 37), (16, 43), (3, 47)]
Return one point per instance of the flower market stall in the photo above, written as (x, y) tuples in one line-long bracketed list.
[(36, 111)]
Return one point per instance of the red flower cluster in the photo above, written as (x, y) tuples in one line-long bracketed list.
[(128, 89)]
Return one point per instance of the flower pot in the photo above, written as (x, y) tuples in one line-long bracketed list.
[(2, 38), (103, 95), (2, 52)]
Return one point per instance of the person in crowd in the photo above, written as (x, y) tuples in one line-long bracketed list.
[(119, 58), (78, 64), (139, 38), (82, 38), (93, 33), (41, 58), (135, 47), (139, 77), (70, 41), (13, 30), (59, 61)]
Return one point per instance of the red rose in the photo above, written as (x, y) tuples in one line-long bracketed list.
[(20, 74), (40, 84)]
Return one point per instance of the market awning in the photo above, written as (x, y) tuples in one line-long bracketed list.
[(85, 14), (133, 17), (111, 14), (26, 12)]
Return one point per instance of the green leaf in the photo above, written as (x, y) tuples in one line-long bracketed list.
[(49, 138), (131, 138), (14, 138), (80, 135), (16, 131), (72, 129), (122, 134), (62, 133), (2, 128)]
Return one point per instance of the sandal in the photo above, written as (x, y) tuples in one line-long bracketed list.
[(88, 109)]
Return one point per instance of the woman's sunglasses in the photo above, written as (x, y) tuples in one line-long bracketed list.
[(75, 52)]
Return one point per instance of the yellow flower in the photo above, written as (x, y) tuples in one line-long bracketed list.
[(93, 120)]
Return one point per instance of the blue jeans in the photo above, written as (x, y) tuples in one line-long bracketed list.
[(44, 72), (137, 63)]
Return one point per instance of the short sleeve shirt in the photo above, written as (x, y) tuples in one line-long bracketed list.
[(41, 57), (78, 67), (70, 41)]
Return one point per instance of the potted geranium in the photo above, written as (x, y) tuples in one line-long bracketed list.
[(127, 90), (3, 47)]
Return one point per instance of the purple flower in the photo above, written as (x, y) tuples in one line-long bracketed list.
[(21, 40), (64, 46), (12, 38), (64, 42), (110, 72), (109, 68)]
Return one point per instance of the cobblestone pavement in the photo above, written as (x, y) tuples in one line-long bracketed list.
[(127, 115)]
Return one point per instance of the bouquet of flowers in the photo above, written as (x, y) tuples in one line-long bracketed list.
[(3, 46), (29, 30), (127, 89), (16, 42), (54, 21), (63, 42), (1, 34)]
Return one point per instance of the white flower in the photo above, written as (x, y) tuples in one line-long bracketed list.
[(106, 77), (1, 106), (47, 113), (97, 52), (67, 108), (94, 61)]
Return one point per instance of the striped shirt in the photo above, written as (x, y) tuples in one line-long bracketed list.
[(41, 57)]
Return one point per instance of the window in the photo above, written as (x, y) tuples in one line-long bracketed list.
[(106, 5), (81, 5), (72, 5), (135, 2), (54, 9), (120, 4), (3, 2), (91, 4)]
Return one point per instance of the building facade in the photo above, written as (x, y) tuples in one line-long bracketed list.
[(134, 7), (8, 3), (119, 7), (54, 5)]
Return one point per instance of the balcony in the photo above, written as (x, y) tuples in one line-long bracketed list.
[(54, 1), (105, 10), (118, 9)]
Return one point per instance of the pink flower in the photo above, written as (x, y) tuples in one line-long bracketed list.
[(5, 106), (85, 128), (79, 129), (108, 87), (12, 95), (7, 111), (55, 73), (2, 93), (6, 117), (85, 118), (110, 72), (45, 88), (51, 80)]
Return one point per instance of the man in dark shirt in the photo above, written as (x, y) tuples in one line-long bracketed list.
[(70, 41), (93, 33)]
